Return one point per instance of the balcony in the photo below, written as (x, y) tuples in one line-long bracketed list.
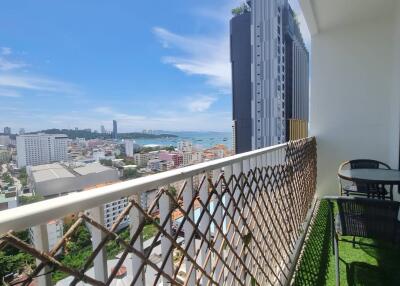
[(240, 220)]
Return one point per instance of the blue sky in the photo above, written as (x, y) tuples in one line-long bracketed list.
[(148, 64)]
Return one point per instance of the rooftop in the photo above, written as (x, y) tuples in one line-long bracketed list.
[(91, 168), (49, 172), (55, 171)]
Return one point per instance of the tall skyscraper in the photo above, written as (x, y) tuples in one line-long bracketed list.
[(296, 73), (241, 80), (21, 131), (102, 129), (7, 130), (115, 130), (38, 149), (278, 58)]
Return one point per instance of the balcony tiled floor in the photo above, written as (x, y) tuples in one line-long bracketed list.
[(361, 265)]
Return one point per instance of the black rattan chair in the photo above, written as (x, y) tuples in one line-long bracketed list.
[(363, 217), (361, 189)]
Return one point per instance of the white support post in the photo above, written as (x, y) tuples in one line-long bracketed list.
[(252, 164), (41, 242), (166, 244), (238, 197), (100, 262), (188, 195), (218, 220), (228, 171), (136, 218), (205, 220)]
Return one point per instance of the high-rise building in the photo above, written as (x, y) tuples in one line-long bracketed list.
[(7, 130), (129, 146), (21, 131), (38, 149), (296, 73), (102, 129), (115, 130), (274, 90), (241, 80)]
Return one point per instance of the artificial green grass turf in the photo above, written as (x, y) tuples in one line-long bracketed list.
[(361, 265)]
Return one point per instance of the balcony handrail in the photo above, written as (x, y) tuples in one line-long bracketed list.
[(20, 218)]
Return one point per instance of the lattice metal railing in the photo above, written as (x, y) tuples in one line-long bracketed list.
[(235, 222)]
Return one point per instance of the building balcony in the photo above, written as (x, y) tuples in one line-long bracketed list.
[(240, 220)]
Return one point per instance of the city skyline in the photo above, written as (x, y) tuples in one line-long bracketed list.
[(77, 77)]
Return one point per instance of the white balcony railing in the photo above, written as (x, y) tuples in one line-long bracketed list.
[(232, 221)]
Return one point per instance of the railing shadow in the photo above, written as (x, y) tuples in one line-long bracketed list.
[(384, 271), (362, 273), (313, 267)]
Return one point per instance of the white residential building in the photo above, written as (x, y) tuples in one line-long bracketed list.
[(54, 233), (38, 149), (141, 159), (187, 158), (185, 146), (5, 140), (129, 146), (112, 211)]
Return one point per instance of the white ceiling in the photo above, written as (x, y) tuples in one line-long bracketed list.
[(326, 14)]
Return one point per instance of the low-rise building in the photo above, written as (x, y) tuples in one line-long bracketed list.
[(56, 179), (60, 179), (141, 159), (176, 157), (8, 200)]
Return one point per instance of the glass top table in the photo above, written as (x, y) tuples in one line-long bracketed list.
[(373, 176)]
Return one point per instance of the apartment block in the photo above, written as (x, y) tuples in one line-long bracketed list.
[(38, 149)]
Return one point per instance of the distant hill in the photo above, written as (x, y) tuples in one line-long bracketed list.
[(73, 134)]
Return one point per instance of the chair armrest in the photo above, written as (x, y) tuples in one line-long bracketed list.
[(331, 198)]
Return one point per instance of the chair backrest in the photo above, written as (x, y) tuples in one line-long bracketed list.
[(367, 164), (364, 164), (368, 218)]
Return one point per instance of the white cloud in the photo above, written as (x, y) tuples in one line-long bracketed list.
[(201, 103), (7, 65), (37, 83), (9, 93), (103, 110), (204, 56), (5, 51)]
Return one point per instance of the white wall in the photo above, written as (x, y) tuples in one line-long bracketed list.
[(354, 104)]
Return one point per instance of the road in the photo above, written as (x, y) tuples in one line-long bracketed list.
[(17, 182)]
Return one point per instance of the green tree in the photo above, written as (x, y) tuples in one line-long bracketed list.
[(12, 260), (170, 148), (106, 162), (23, 177), (130, 174), (26, 200), (129, 162), (6, 177), (244, 8)]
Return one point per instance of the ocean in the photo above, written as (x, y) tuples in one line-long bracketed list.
[(202, 140)]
